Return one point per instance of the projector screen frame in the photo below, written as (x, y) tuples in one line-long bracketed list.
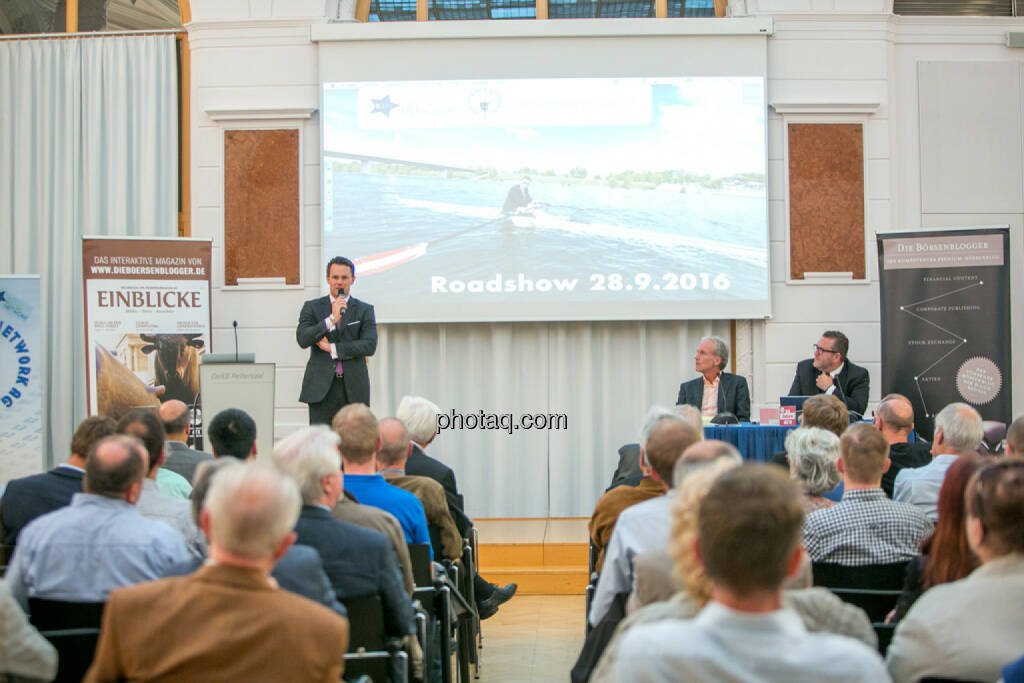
[(550, 49)]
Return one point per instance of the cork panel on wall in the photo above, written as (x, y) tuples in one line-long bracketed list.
[(261, 205), (826, 198)]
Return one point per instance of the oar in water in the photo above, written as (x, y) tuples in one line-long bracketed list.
[(386, 260)]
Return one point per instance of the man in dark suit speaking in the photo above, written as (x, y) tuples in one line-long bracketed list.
[(831, 372), (340, 332), (715, 391)]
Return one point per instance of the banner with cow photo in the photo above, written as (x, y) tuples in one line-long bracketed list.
[(147, 321)]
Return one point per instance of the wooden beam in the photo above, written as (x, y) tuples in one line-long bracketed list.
[(661, 9), (720, 6), (362, 10), (185, 138), (542, 9), (71, 18), (422, 10), (185, 9)]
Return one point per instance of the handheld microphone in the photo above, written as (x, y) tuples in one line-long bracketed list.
[(234, 323)]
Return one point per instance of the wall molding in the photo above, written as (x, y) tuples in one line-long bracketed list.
[(263, 114)]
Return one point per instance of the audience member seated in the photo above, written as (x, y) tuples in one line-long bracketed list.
[(228, 621), (825, 411), (958, 432), (748, 540), (29, 497), (818, 608), (299, 570), (970, 629), (812, 454), (654, 575), (612, 503), (180, 459), (1015, 439), (420, 417), (80, 552), (945, 555), (360, 442), (347, 509), (24, 654), (394, 452), (643, 526), (153, 504), (865, 527), (894, 417), (358, 561), (232, 433)]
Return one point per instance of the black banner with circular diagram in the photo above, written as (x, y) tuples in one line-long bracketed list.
[(945, 320)]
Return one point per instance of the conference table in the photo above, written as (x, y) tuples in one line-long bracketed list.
[(755, 441)]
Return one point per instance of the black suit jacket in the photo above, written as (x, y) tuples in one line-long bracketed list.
[(852, 385), (733, 395), (35, 495), (358, 562), (355, 338), (420, 464)]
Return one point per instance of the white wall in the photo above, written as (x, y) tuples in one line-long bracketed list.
[(845, 57)]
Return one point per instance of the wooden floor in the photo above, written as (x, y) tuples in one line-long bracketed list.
[(542, 556), (533, 638)]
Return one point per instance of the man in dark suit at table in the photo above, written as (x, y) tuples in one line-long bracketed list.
[(340, 332), (715, 391), (831, 372)]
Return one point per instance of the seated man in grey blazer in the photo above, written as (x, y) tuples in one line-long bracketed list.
[(715, 391)]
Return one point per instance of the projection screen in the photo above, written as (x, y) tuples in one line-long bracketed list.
[(547, 177)]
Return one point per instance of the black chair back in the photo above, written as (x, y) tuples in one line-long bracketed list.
[(869, 576), (370, 652), (73, 628), (419, 555), (877, 603)]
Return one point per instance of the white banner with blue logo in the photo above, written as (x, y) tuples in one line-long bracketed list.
[(20, 381)]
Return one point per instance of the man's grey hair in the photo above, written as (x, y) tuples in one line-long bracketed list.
[(711, 451), (651, 420), (420, 418), (252, 509), (718, 348), (812, 453), (961, 427), (307, 456), (203, 478)]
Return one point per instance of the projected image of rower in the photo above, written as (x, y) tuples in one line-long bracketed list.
[(557, 197), (518, 200)]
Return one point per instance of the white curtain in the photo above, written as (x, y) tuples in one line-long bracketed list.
[(88, 146), (603, 376)]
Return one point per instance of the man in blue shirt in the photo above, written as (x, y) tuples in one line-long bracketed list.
[(101, 530), (360, 442)]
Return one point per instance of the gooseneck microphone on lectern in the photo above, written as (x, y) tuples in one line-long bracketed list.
[(234, 323)]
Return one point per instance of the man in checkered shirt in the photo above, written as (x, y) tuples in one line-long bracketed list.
[(865, 527)]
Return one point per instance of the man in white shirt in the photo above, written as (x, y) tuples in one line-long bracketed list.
[(748, 540), (958, 431)]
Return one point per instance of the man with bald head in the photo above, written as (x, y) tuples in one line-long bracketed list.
[(394, 451), (644, 526), (177, 419), (894, 417), (958, 431), (80, 552)]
